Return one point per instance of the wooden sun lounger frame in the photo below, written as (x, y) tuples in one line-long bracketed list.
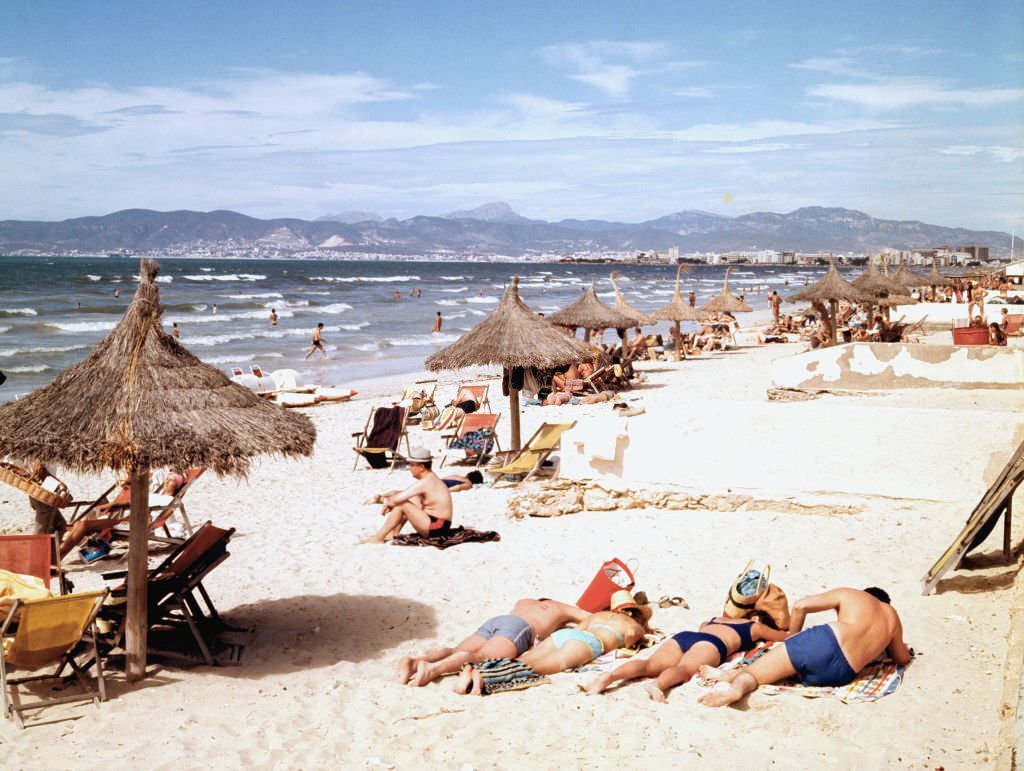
[(449, 438), (542, 455), (483, 401), (396, 455)]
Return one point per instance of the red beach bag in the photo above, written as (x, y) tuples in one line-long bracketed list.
[(613, 576)]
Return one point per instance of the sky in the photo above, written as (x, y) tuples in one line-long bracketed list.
[(610, 110)]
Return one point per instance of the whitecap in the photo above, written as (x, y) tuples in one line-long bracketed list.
[(4, 329), (22, 370), (217, 339), (448, 302), (355, 327), (8, 352), (251, 295), (366, 347), (93, 277), (226, 277), (453, 278), (18, 312), (476, 312), (368, 279), (486, 300), (208, 270), (460, 289), (332, 308), (422, 339), (82, 326)]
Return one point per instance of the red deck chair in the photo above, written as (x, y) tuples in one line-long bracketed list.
[(33, 555), (474, 421)]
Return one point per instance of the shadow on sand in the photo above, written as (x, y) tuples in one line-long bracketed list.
[(312, 631)]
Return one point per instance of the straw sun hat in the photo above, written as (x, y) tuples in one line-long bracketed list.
[(624, 602)]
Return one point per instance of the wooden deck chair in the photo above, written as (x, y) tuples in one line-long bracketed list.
[(382, 421), (33, 555), (597, 376), (475, 421), (50, 631), (163, 508), (528, 460), (174, 590), (479, 392), (426, 389)]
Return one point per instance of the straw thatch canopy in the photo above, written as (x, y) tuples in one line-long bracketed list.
[(907, 279), (873, 282), (892, 300), (677, 308), (590, 313), (141, 400), (937, 279), (623, 307), (723, 301), (832, 287), (513, 336)]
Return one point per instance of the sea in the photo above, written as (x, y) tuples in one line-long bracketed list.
[(378, 315)]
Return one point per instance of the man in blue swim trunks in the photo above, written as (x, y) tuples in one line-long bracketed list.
[(866, 625), (506, 636)]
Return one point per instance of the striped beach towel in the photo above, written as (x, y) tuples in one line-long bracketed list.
[(879, 678), (507, 675)]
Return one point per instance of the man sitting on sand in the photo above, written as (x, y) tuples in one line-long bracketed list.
[(826, 655), (426, 504), (505, 636)]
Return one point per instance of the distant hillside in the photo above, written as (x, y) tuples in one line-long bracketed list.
[(493, 229)]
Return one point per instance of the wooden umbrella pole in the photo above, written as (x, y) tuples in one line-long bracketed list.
[(138, 547), (513, 406), (678, 343)]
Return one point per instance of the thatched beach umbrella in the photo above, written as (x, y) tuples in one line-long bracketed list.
[(141, 400), (831, 289), (515, 338), (877, 285), (590, 313), (623, 307), (677, 310), (723, 301), (907, 279), (937, 279)]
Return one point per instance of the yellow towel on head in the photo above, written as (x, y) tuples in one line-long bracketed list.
[(15, 586)]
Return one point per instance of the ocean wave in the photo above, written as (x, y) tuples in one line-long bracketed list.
[(320, 294), (476, 312), (18, 312), (288, 304), (485, 300), (431, 339), (213, 318), (4, 329), (366, 347), (203, 340), (367, 279), (8, 352), (226, 277), (453, 278), (93, 277), (226, 359), (252, 295), (448, 302), (355, 327), (26, 370), (332, 309), (81, 326), (460, 289), (207, 270)]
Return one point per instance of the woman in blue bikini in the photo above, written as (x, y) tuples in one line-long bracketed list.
[(678, 658)]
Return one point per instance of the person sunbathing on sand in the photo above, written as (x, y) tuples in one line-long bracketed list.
[(622, 627), (426, 504), (505, 636), (680, 657), (826, 655)]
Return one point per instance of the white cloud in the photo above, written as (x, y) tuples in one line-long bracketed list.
[(839, 65), (1003, 154), (694, 92), (611, 65), (766, 129), (762, 147), (908, 92)]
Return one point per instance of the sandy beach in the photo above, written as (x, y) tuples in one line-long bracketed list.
[(853, 490)]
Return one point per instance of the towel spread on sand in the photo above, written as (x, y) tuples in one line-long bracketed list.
[(454, 537), (877, 679), (498, 675)]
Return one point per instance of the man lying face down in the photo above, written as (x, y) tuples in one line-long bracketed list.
[(504, 636), (827, 655)]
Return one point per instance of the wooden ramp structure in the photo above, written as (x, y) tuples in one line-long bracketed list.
[(997, 501)]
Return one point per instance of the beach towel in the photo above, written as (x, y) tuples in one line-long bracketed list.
[(879, 678), (454, 537), (479, 441), (15, 586), (498, 675), (387, 428)]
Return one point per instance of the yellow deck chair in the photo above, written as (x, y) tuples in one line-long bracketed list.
[(528, 460), (50, 631)]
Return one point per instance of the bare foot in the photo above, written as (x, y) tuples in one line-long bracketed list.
[(406, 666), (656, 694), (713, 674), (370, 539), (720, 695), (478, 683), (598, 684), (462, 685), (424, 674)]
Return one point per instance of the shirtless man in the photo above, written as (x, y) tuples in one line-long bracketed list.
[(426, 504), (318, 341), (505, 636), (828, 655)]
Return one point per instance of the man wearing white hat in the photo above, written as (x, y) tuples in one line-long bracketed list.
[(426, 504)]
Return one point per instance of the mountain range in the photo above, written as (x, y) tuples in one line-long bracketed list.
[(494, 228)]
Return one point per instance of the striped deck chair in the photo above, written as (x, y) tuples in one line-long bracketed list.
[(475, 421), (49, 631), (479, 392), (33, 555), (528, 460)]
